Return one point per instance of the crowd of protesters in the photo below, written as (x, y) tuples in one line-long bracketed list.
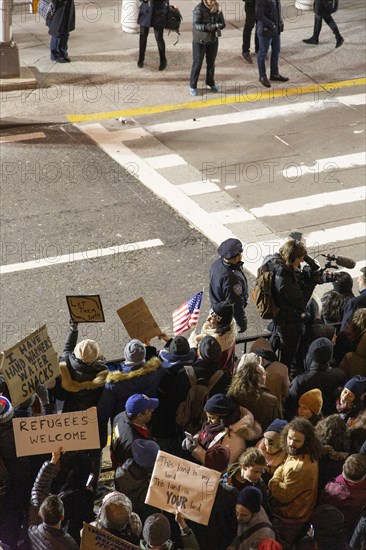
[(285, 428)]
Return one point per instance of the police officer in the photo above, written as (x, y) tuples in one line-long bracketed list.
[(228, 282)]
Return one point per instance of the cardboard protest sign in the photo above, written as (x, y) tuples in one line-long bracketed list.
[(30, 362), (177, 483), (93, 538), (138, 320), (86, 309), (73, 431)]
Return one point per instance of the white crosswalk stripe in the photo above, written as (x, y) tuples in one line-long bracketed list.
[(331, 215)]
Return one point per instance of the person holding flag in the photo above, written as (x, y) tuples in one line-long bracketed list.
[(186, 316)]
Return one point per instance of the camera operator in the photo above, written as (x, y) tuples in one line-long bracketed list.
[(293, 288)]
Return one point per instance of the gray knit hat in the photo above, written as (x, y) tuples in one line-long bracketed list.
[(156, 530)]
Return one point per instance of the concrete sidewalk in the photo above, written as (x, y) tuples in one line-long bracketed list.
[(103, 75)]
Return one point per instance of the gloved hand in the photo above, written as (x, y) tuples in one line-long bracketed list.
[(74, 327), (219, 26), (210, 27), (243, 327), (189, 444)]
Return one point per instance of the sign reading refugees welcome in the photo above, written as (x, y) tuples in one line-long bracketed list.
[(94, 538), (86, 309), (138, 320), (31, 362), (180, 484), (73, 431)]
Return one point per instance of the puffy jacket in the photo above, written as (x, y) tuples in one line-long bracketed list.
[(233, 437), (42, 536), (204, 30)]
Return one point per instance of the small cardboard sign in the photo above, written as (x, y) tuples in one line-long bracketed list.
[(177, 483), (86, 309), (138, 320), (30, 362), (73, 431), (94, 538)]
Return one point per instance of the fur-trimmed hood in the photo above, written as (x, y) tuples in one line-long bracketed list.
[(149, 367), (73, 386), (246, 427)]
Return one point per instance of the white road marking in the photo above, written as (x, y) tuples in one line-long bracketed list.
[(22, 137), (335, 234), (255, 114), (165, 161), (77, 256), (233, 215), (289, 206), (332, 163), (199, 188)]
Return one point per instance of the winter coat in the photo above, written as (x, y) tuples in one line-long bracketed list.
[(353, 305), (202, 33), (229, 283), (121, 385), (354, 362), (294, 489), (325, 7), (222, 524), (277, 379), (227, 342), (42, 536), (265, 407), (233, 437), (268, 16), (348, 497), (133, 480), (292, 291), (359, 534), (63, 19), (124, 434), (330, 465), (260, 534), (152, 13), (321, 376)]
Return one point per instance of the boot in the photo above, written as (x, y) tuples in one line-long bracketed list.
[(317, 28), (142, 50), (163, 61), (339, 39)]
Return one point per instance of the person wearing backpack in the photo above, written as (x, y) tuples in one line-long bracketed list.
[(205, 366), (323, 10), (292, 291)]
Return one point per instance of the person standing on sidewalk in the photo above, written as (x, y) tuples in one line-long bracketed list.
[(249, 9), (152, 13), (323, 10), (59, 27), (269, 28), (208, 20)]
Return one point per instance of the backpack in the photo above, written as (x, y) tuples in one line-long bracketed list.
[(190, 414), (263, 296)]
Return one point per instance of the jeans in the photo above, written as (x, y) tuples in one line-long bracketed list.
[(249, 8), (59, 45), (264, 43), (199, 52)]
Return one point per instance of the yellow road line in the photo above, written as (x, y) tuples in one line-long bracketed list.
[(221, 99)]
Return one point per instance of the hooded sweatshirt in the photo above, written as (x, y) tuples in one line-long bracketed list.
[(319, 375)]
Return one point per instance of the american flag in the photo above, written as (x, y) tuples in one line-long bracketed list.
[(186, 316)]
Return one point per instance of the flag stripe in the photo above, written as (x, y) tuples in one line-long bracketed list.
[(186, 316)]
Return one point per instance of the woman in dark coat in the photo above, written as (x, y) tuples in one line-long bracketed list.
[(152, 13), (61, 24), (323, 10), (208, 20)]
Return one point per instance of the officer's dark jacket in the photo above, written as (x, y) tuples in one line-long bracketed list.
[(228, 283)]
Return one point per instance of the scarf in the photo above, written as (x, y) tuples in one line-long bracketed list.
[(212, 5), (209, 432), (272, 461)]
